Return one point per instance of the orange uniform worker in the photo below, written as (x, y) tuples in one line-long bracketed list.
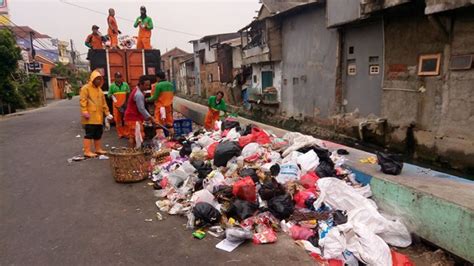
[(118, 91), (216, 105), (113, 31), (163, 97), (94, 40), (93, 108), (145, 25)]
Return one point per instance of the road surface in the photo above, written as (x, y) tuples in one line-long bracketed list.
[(56, 213)]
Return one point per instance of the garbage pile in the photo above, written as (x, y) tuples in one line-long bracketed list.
[(245, 184)]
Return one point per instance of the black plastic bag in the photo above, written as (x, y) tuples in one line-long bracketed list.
[(281, 206), (339, 217), (247, 130), (275, 169), (203, 169), (314, 240), (309, 203), (242, 209), (206, 213), (326, 169), (225, 151), (230, 123), (186, 150), (223, 193), (391, 164), (249, 172), (270, 189)]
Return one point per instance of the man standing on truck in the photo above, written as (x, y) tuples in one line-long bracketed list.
[(93, 108), (113, 31), (118, 92), (145, 25), (163, 97), (216, 105), (94, 40), (136, 111)]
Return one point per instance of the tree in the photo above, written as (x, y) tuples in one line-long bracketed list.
[(9, 56), (74, 76)]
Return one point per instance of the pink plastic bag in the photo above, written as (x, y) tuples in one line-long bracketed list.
[(265, 235), (300, 233)]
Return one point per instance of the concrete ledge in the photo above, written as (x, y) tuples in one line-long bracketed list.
[(435, 206)]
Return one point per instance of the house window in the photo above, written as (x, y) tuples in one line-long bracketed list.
[(295, 81), (374, 69), (429, 65), (351, 50), (254, 78), (461, 62), (351, 69), (209, 78)]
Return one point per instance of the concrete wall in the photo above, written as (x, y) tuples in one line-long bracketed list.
[(237, 57), (441, 108), (308, 64), (257, 70), (342, 11)]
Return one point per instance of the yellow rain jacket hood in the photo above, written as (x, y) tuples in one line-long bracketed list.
[(92, 101)]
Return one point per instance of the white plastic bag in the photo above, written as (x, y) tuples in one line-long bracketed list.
[(138, 135), (361, 211), (288, 172), (233, 134), (205, 141), (333, 244), (177, 177), (308, 161), (292, 157), (204, 195), (215, 178), (188, 168), (251, 149)]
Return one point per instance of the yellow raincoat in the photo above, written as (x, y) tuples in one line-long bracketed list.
[(92, 101)]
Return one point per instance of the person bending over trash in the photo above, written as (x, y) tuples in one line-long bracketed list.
[(93, 108), (216, 105), (163, 95), (136, 111), (118, 91)]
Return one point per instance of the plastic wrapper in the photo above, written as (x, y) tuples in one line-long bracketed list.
[(288, 172), (236, 234), (300, 233), (264, 235)]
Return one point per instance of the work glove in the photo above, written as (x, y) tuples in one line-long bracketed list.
[(86, 115), (110, 117)]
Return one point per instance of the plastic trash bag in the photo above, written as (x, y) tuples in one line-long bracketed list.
[(177, 177), (301, 197), (211, 149), (214, 179), (270, 189), (249, 172), (361, 211), (206, 213), (245, 140), (245, 189), (288, 172), (230, 123), (389, 163), (251, 149), (242, 209), (308, 161), (260, 136), (309, 180), (264, 235), (186, 150), (339, 217), (333, 244), (326, 169), (204, 196), (399, 259), (205, 141), (225, 151), (281, 206), (300, 233), (235, 234)]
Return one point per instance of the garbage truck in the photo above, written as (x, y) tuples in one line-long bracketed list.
[(132, 63)]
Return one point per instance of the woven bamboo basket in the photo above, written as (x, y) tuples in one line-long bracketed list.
[(129, 165)]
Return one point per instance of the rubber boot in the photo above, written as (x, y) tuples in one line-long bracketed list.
[(87, 149), (98, 147)]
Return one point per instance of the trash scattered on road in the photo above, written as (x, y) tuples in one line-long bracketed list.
[(103, 157), (78, 136), (246, 184), (148, 220), (77, 158)]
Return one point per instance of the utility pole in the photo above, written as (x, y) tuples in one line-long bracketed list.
[(73, 54), (33, 52)]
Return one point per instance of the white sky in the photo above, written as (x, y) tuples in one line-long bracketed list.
[(198, 17)]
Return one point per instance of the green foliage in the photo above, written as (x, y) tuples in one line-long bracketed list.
[(30, 88), (9, 56)]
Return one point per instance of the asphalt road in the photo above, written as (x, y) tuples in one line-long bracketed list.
[(56, 213)]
